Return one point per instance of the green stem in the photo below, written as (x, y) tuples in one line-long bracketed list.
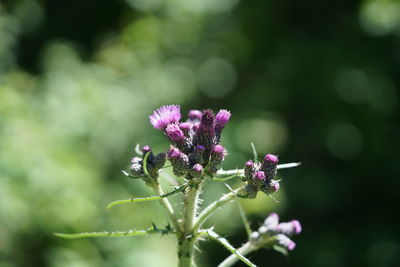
[(213, 207), (243, 250), (187, 240), (168, 207)]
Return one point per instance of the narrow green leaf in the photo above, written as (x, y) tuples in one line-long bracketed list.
[(102, 234), (255, 155), (145, 164), (144, 199), (137, 150), (244, 218), (280, 250)]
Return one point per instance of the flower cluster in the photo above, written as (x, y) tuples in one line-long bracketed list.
[(274, 233), (195, 148), (153, 164), (259, 176)]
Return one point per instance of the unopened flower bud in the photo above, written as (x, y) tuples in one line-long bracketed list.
[(269, 166), (271, 222), (249, 169), (218, 154), (195, 115), (205, 135), (289, 228), (249, 191), (285, 242), (136, 169), (254, 236), (174, 133), (159, 161), (271, 187), (179, 161), (196, 170), (221, 119), (185, 127)]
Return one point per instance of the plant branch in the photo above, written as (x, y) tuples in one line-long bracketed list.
[(213, 207), (243, 250), (223, 241)]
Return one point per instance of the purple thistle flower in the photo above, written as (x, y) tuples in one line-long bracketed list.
[(165, 115), (289, 228), (195, 115), (285, 242), (221, 119), (174, 133), (259, 175)]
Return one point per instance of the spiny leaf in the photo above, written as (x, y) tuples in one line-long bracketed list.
[(132, 232), (144, 199), (224, 179), (102, 234), (288, 165)]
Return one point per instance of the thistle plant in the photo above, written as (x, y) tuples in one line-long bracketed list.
[(196, 155)]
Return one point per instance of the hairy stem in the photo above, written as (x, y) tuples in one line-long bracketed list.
[(213, 207), (243, 250), (187, 240), (168, 207)]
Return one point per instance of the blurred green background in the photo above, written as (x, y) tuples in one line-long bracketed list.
[(312, 81)]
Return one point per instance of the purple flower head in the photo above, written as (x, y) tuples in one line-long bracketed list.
[(285, 242), (196, 170), (259, 175), (289, 228), (221, 119), (195, 115), (219, 152), (174, 133), (165, 115), (173, 153), (271, 159)]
